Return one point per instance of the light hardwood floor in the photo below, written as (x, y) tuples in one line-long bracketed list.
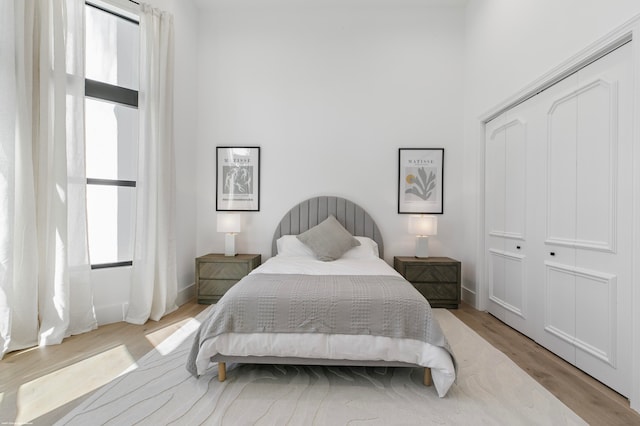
[(39, 386)]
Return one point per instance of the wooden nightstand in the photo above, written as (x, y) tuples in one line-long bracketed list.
[(437, 278), (216, 273)]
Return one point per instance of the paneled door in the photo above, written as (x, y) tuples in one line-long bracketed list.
[(587, 235), (558, 218), (505, 218)]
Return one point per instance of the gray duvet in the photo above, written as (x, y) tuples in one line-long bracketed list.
[(376, 305)]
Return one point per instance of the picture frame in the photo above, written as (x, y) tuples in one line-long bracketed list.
[(238, 178), (420, 180)]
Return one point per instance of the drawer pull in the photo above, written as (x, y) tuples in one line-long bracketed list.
[(553, 253), (518, 247)]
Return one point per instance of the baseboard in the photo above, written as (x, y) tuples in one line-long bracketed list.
[(186, 294), (469, 296)]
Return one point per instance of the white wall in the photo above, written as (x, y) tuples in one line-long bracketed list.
[(508, 46), (330, 91), (111, 286), (185, 17)]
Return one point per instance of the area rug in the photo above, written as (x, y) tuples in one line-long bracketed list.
[(490, 390)]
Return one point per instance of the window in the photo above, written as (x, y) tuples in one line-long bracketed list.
[(111, 135)]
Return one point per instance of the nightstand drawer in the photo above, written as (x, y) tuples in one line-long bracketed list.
[(223, 271), (437, 292), (215, 287), (435, 273)]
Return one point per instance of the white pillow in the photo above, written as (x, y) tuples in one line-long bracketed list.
[(291, 246), (367, 249)]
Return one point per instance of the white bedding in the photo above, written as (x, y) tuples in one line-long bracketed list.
[(306, 265), (331, 346)]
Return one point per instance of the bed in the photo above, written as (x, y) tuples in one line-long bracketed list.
[(325, 297)]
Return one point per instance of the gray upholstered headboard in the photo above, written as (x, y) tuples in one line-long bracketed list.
[(309, 213)]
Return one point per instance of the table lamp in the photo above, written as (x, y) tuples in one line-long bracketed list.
[(230, 224), (422, 227)]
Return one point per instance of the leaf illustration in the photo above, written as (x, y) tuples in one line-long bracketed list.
[(415, 192), (432, 178), (431, 186), (422, 185), (423, 174), (423, 178)]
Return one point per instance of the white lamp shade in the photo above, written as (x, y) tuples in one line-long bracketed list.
[(423, 225), (228, 222)]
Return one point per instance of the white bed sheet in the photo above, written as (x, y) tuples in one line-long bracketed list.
[(330, 346), (311, 266)]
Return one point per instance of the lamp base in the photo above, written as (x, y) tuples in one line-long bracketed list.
[(230, 245), (422, 246)]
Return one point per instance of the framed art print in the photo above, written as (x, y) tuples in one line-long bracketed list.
[(237, 178), (420, 182)]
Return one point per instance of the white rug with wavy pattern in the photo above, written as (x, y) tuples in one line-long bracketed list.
[(490, 390)]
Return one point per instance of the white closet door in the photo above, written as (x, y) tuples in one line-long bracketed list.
[(558, 218), (559, 204), (588, 239), (603, 223), (505, 218), (495, 184)]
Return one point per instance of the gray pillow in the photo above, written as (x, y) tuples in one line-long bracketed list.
[(328, 239)]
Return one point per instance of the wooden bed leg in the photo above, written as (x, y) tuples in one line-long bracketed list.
[(427, 376), (222, 372)]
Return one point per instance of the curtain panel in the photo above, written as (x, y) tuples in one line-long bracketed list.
[(154, 284), (45, 287), (45, 292)]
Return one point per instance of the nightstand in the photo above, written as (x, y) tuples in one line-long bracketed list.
[(437, 278), (217, 273)]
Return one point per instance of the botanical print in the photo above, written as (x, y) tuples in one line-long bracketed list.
[(420, 180), (423, 185)]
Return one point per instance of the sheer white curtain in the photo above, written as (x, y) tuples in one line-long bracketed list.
[(45, 292), (8, 114), (154, 285)]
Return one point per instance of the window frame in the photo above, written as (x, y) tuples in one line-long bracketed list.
[(102, 91)]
